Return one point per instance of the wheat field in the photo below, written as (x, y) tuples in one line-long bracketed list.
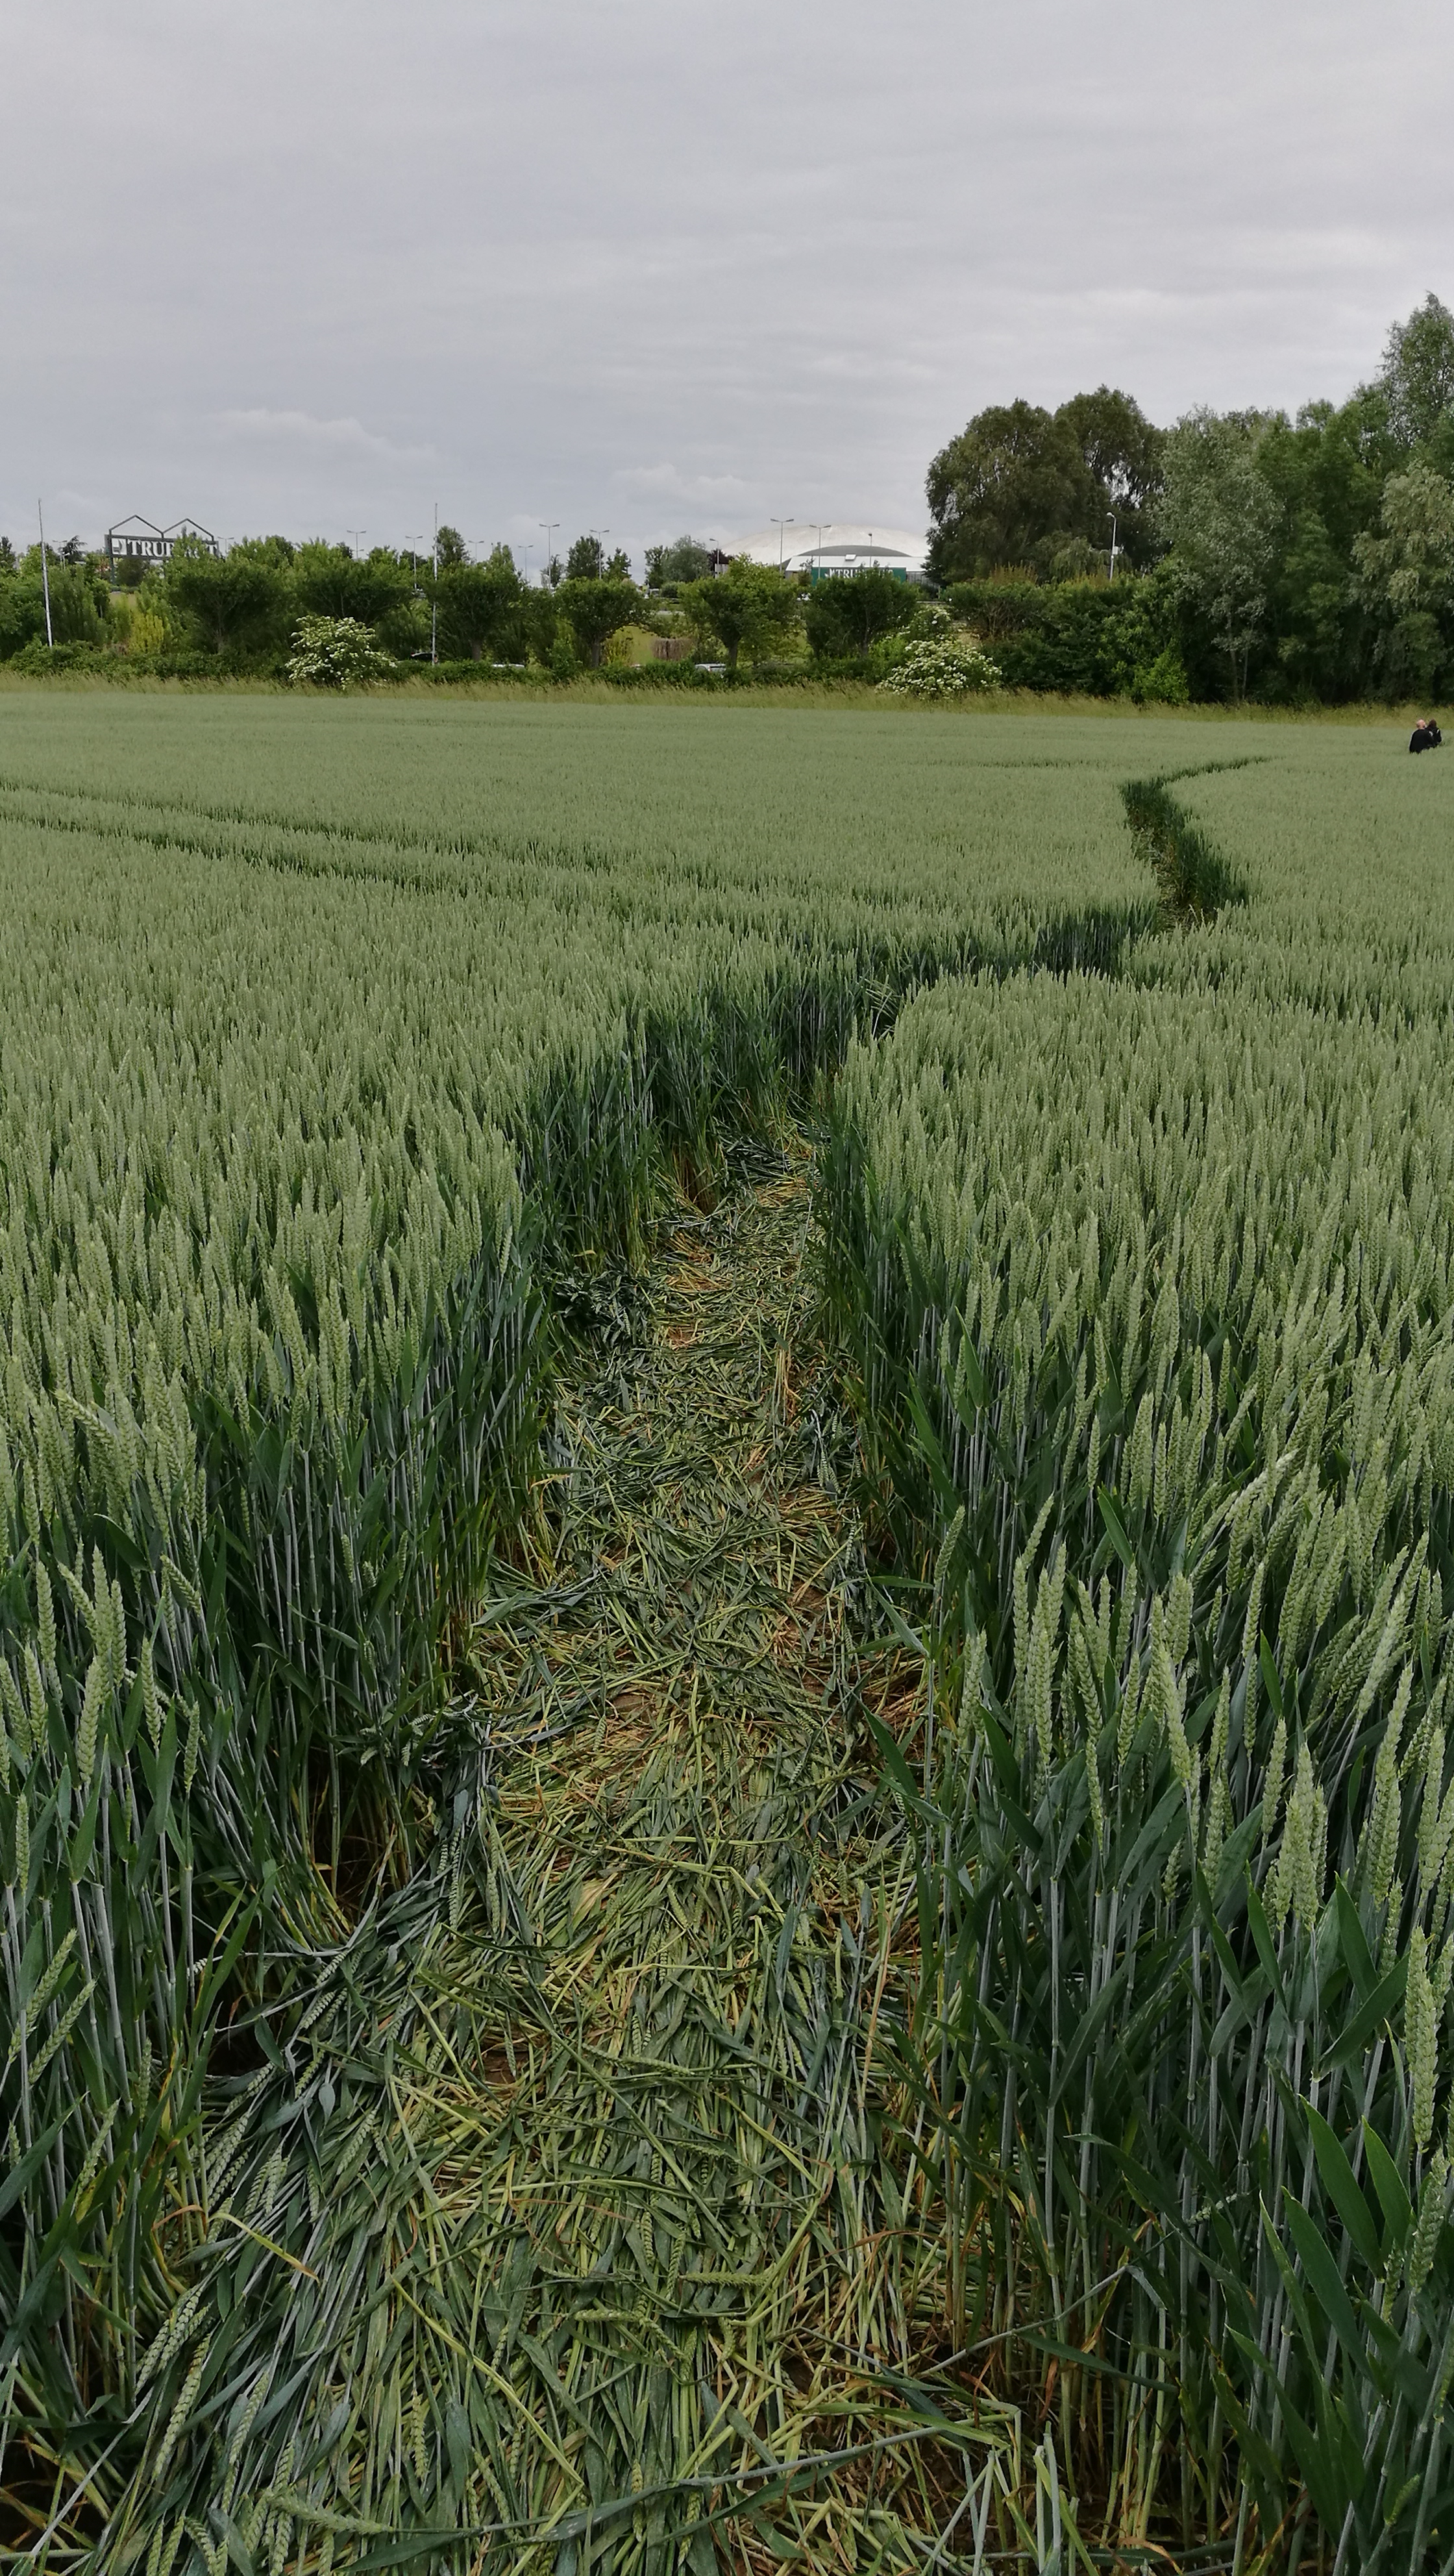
[(360, 1066)]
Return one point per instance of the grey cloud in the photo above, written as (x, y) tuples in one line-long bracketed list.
[(670, 262)]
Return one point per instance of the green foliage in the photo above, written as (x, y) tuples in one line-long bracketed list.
[(481, 609), (1098, 639), (1417, 378), (329, 581), (78, 603), (562, 659), (687, 560), (1406, 579), (594, 609), (588, 561), (335, 653), (1020, 485), (1220, 517), (585, 559), (749, 608), (243, 599), (1271, 594), (40, 660), (850, 612)]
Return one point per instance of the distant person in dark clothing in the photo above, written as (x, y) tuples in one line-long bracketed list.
[(1425, 736)]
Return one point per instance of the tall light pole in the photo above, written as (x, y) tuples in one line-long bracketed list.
[(45, 580), (818, 526), (416, 540), (353, 534), (600, 535), (782, 525), (1111, 515), (550, 526), (434, 602)]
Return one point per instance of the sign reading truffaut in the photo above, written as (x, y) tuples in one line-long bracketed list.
[(138, 539)]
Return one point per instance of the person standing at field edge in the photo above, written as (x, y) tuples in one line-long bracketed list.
[(1425, 736)]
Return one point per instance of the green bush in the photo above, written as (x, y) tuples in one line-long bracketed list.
[(1078, 638), (41, 659)]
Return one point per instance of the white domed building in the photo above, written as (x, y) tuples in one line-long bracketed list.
[(824, 548)]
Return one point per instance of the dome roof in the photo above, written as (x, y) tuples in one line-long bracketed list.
[(833, 546)]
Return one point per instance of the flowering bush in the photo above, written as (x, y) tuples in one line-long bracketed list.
[(336, 653), (946, 666)]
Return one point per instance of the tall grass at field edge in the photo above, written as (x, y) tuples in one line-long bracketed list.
[(592, 689)]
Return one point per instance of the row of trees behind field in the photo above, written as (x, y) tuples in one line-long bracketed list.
[(1281, 559), (1236, 555), (238, 611)]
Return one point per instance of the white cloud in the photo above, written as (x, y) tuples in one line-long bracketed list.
[(302, 430), (667, 483)]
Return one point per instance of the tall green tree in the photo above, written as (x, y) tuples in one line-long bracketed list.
[(1221, 517), (22, 602), (1418, 373), (241, 601), (479, 608), (749, 608), (332, 582), (596, 608), (687, 560), (1327, 470), (1121, 451), (1013, 478), (851, 611), (1020, 485), (1405, 577)]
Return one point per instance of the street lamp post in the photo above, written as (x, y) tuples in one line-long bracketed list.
[(550, 526), (1111, 515), (782, 526), (600, 535), (354, 534), (45, 580)]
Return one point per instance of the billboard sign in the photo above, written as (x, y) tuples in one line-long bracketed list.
[(136, 540)]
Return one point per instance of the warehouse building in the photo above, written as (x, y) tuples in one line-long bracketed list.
[(824, 548)]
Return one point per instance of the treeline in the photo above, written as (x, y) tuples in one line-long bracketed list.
[(240, 611), (1238, 555), (1287, 561)]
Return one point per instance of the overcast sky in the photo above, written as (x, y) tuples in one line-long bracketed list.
[(651, 265)]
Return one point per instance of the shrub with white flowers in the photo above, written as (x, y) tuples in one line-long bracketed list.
[(947, 666), (335, 653)]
